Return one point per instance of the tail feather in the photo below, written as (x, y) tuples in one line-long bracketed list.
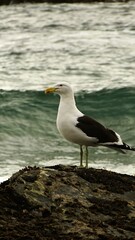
[(122, 147)]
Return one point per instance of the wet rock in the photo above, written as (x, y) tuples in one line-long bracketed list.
[(64, 202)]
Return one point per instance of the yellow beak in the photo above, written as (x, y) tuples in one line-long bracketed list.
[(50, 90)]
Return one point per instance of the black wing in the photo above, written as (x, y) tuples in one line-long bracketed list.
[(92, 128)]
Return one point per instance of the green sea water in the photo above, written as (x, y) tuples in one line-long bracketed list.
[(28, 133), (90, 46)]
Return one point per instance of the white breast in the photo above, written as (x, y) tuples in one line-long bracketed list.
[(67, 117), (67, 128)]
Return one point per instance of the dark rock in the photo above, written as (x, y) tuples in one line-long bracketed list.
[(63, 202)]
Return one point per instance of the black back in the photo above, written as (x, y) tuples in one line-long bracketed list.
[(92, 128)]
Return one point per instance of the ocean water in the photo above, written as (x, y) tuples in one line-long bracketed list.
[(90, 46)]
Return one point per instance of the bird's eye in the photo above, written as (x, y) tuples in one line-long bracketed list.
[(61, 85)]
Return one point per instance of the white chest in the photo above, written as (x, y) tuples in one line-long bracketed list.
[(67, 128), (67, 120)]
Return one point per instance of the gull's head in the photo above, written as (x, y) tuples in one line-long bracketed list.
[(60, 88)]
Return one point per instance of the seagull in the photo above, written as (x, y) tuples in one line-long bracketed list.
[(80, 129)]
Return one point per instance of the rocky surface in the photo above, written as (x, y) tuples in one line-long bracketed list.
[(63, 202)]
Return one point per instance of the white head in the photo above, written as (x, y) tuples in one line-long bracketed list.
[(60, 88)]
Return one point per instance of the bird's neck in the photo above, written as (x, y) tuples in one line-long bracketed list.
[(67, 104)]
